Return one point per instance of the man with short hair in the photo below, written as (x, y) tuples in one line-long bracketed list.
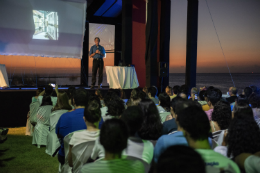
[(195, 126), (71, 121), (113, 138), (175, 90), (152, 93), (97, 52), (168, 91), (233, 95), (213, 96)]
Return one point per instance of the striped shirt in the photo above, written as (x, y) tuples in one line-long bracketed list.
[(114, 166)]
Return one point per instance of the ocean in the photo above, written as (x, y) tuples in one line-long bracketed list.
[(221, 81)]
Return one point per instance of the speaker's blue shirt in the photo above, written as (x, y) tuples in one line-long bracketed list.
[(100, 48)]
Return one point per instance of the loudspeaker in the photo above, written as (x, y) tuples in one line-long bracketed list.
[(163, 69)]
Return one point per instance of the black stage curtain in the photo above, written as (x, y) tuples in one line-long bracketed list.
[(151, 44), (85, 56)]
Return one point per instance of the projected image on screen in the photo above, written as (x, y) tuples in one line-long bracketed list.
[(46, 25)]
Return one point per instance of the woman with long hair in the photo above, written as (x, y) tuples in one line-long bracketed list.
[(152, 127)]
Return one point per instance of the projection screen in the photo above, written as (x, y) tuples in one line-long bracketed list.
[(48, 28)]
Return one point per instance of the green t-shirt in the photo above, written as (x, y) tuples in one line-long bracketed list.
[(114, 166), (217, 160)]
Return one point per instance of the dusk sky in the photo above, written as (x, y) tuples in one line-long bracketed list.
[(238, 26)]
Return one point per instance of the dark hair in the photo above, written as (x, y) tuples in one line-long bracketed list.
[(176, 89), (97, 38), (135, 94), (242, 105), (165, 101), (48, 90), (80, 97), (111, 94), (71, 91), (248, 91), (152, 127), (195, 121), (254, 100), (243, 136), (62, 102), (142, 95), (176, 158), (133, 117), (39, 90), (46, 100), (184, 89), (115, 107), (152, 90), (213, 96), (234, 90), (92, 112), (114, 135), (243, 112), (93, 97), (202, 95), (99, 94), (254, 88), (222, 114), (175, 101)]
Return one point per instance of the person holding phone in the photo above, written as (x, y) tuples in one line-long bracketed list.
[(194, 93), (97, 52)]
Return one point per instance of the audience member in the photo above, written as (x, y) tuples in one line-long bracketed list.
[(254, 101), (71, 90), (254, 89), (194, 93), (213, 97), (164, 103), (233, 95), (168, 91), (221, 118), (142, 95), (47, 92), (62, 102), (151, 127), (195, 126), (145, 89), (113, 137), (202, 100), (249, 162), (152, 94), (71, 121), (175, 159), (115, 108), (35, 98), (100, 96), (175, 90), (183, 91), (241, 104), (247, 92), (134, 98), (92, 117)]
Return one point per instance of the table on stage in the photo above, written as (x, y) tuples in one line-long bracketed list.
[(121, 77), (3, 76)]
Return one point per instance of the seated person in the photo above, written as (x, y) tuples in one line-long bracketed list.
[(168, 91), (176, 158), (247, 92), (92, 116), (213, 97), (38, 91), (164, 103), (134, 98), (202, 100), (115, 108), (47, 92), (183, 91), (71, 121), (193, 93), (100, 96), (233, 94), (221, 118), (249, 162), (175, 91), (195, 126), (152, 94), (71, 90), (113, 137)]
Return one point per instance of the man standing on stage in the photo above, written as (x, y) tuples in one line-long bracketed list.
[(97, 52)]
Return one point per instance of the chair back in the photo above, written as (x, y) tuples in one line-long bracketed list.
[(163, 116), (33, 111), (54, 118), (66, 168), (146, 165), (80, 155), (43, 115)]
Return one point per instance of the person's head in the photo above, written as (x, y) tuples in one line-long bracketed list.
[(62, 102), (242, 105), (254, 100), (115, 107), (194, 123), (113, 136), (145, 89), (38, 91), (168, 90), (135, 93), (142, 95), (151, 91), (152, 127), (201, 95), (70, 91), (222, 114), (183, 91), (232, 91), (194, 90), (92, 113), (97, 40), (80, 97), (46, 100), (243, 136), (99, 94), (122, 94), (48, 90), (247, 92), (133, 117), (176, 89), (164, 101), (176, 158), (175, 104), (254, 88), (213, 96)]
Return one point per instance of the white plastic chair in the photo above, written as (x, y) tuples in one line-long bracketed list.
[(80, 154), (52, 140), (33, 112), (42, 127), (146, 165), (163, 116), (66, 168)]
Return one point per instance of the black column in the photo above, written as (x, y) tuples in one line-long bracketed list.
[(127, 31), (151, 44), (118, 43), (165, 30), (191, 45), (85, 56)]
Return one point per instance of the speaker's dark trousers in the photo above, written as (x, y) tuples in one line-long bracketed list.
[(98, 64)]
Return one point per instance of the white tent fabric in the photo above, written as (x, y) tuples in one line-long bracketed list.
[(33, 112), (52, 140), (66, 168), (42, 127), (80, 154), (3, 76)]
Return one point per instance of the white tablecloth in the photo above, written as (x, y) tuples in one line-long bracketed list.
[(3, 76), (121, 77)]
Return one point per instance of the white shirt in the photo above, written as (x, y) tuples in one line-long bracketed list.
[(252, 164), (81, 136)]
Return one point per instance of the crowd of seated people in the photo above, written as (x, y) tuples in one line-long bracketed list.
[(179, 130)]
